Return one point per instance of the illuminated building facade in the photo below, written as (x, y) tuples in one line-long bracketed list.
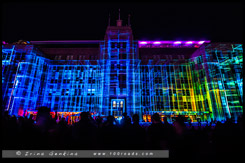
[(198, 79)]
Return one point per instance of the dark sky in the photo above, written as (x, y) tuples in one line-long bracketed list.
[(149, 21)]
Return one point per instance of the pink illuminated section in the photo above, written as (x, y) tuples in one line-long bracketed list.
[(166, 43), (201, 42), (142, 42), (156, 42), (177, 42), (189, 42)]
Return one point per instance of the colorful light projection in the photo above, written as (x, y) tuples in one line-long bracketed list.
[(208, 85)]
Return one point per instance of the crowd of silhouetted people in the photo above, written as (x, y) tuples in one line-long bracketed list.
[(183, 141)]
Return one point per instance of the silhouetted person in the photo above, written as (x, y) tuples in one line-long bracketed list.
[(166, 124), (212, 122), (168, 130), (165, 120), (43, 119), (199, 122), (155, 133), (179, 126), (6, 117), (99, 121), (189, 122), (45, 128), (10, 135), (59, 117), (27, 132), (183, 143), (5, 126), (84, 132), (136, 120), (91, 119), (206, 122), (62, 122), (223, 139), (20, 122), (137, 134), (64, 138), (30, 120), (125, 120), (126, 133), (109, 137)]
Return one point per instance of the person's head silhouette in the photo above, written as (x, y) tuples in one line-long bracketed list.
[(165, 119), (43, 112), (124, 114), (110, 119), (43, 117), (31, 116), (135, 118), (179, 125), (156, 118), (84, 116)]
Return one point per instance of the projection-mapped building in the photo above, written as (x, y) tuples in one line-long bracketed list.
[(119, 74)]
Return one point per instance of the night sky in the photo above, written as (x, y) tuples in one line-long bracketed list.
[(150, 21)]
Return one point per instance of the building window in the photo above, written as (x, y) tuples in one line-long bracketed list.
[(114, 104), (122, 56), (124, 45), (91, 91), (113, 44), (121, 103)]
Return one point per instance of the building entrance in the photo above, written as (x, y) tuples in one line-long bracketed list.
[(117, 107)]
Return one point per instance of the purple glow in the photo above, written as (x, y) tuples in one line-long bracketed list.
[(157, 42), (189, 42), (171, 43), (177, 42), (142, 42), (201, 42)]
